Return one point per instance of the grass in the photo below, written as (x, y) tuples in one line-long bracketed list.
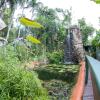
[(17, 83)]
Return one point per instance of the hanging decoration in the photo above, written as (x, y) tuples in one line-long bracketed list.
[(32, 39), (30, 23)]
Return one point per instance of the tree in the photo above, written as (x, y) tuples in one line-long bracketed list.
[(86, 30), (96, 40), (12, 3), (67, 14), (7, 11), (47, 17)]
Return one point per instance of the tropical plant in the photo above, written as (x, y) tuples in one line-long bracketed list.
[(13, 3), (30, 23), (55, 28), (96, 1), (55, 57), (96, 40), (17, 83), (86, 30)]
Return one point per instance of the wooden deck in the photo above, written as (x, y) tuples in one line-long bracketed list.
[(88, 92)]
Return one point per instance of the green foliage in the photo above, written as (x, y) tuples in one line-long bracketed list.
[(26, 51), (22, 52), (55, 28), (55, 57), (13, 3), (12, 35), (7, 55), (96, 1), (7, 14), (19, 84), (14, 54), (86, 30), (58, 90), (96, 41), (55, 71), (15, 82)]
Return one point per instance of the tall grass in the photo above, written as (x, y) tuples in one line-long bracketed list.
[(15, 82)]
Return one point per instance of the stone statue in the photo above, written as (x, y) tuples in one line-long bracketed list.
[(74, 52)]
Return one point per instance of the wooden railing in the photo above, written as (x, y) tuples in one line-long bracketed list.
[(94, 66), (77, 91)]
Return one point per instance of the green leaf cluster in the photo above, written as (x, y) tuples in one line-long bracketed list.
[(55, 57), (96, 41), (86, 30), (17, 83)]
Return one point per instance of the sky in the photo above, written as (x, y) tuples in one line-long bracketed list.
[(80, 8)]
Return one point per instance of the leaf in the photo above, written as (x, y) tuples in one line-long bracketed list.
[(30, 23), (96, 1), (33, 39)]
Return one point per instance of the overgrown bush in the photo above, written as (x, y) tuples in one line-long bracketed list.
[(15, 82), (22, 50), (55, 57), (96, 41), (19, 84), (8, 55)]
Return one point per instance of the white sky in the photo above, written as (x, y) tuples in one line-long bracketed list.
[(80, 8)]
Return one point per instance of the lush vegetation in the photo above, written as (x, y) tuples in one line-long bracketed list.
[(41, 39), (17, 83), (58, 79), (96, 40), (55, 57), (86, 30)]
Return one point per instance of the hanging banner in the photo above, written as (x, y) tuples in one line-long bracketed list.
[(30, 23)]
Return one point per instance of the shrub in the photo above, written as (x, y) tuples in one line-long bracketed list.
[(8, 55), (96, 41), (17, 83), (55, 57)]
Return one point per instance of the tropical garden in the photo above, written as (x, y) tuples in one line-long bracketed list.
[(32, 51)]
